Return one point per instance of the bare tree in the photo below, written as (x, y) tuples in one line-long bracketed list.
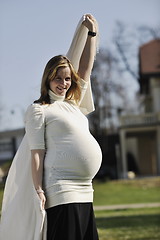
[(128, 40), (108, 91), (109, 76)]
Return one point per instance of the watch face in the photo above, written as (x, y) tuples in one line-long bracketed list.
[(93, 34)]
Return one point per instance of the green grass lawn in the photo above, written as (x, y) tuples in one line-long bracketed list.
[(134, 224), (1, 194), (145, 190), (129, 224)]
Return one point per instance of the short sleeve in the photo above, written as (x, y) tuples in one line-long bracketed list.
[(86, 103), (35, 126)]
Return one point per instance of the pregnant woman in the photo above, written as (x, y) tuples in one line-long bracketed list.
[(64, 155)]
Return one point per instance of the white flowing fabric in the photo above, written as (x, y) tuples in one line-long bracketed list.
[(22, 214), (74, 53), (22, 217)]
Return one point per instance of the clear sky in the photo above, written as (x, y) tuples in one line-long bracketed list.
[(33, 31)]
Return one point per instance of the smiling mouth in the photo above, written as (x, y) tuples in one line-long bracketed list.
[(61, 88)]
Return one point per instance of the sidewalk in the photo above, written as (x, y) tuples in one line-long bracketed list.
[(126, 206)]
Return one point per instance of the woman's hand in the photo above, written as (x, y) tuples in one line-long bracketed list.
[(43, 199), (90, 22)]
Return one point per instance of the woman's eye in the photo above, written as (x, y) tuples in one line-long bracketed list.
[(68, 79)]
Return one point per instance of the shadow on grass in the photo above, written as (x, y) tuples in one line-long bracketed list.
[(128, 221)]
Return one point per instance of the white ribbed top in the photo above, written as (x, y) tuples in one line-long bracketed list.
[(73, 156)]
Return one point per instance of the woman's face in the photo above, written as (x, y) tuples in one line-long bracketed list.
[(62, 81)]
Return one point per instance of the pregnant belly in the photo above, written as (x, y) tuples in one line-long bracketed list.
[(75, 157)]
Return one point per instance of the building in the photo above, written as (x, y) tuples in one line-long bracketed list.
[(9, 143), (140, 134)]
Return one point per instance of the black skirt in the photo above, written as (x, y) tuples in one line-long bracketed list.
[(73, 221)]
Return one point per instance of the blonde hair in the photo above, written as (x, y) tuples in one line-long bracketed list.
[(50, 71)]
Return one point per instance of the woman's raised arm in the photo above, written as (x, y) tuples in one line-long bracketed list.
[(88, 54)]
